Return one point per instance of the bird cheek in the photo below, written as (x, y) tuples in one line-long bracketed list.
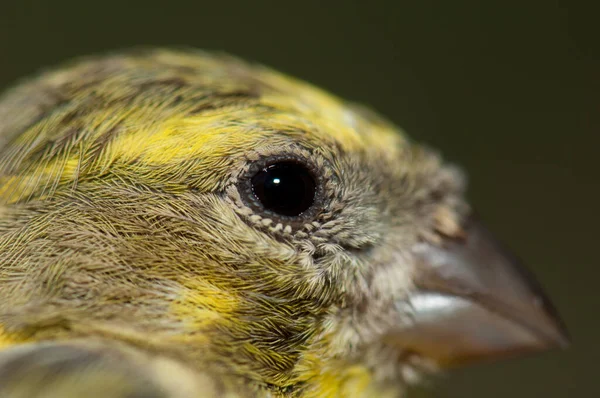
[(201, 304)]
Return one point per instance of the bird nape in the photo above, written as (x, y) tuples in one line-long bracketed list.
[(186, 224)]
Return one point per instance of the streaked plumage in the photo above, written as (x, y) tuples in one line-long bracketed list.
[(130, 244)]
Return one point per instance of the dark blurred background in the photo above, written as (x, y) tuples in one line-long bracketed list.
[(509, 90)]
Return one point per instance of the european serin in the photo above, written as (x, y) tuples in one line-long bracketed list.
[(185, 224)]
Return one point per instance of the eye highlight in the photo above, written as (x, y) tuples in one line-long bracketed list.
[(285, 188)]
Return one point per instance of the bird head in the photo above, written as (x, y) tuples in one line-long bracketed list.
[(236, 218)]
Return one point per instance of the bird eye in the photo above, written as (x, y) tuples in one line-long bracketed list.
[(286, 188)]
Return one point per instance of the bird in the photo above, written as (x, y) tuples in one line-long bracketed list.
[(180, 223)]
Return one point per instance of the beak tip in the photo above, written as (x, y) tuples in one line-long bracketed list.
[(563, 339), (556, 334)]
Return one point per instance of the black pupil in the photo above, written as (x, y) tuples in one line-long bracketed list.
[(286, 188)]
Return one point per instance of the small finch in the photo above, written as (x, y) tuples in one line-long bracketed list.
[(183, 224)]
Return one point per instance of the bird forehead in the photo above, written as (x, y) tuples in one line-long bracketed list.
[(165, 109)]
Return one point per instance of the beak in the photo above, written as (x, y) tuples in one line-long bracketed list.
[(475, 302)]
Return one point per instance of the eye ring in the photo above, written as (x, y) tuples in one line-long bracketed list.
[(291, 191)]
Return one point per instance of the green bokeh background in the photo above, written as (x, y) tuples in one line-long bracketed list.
[(509, 90)]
